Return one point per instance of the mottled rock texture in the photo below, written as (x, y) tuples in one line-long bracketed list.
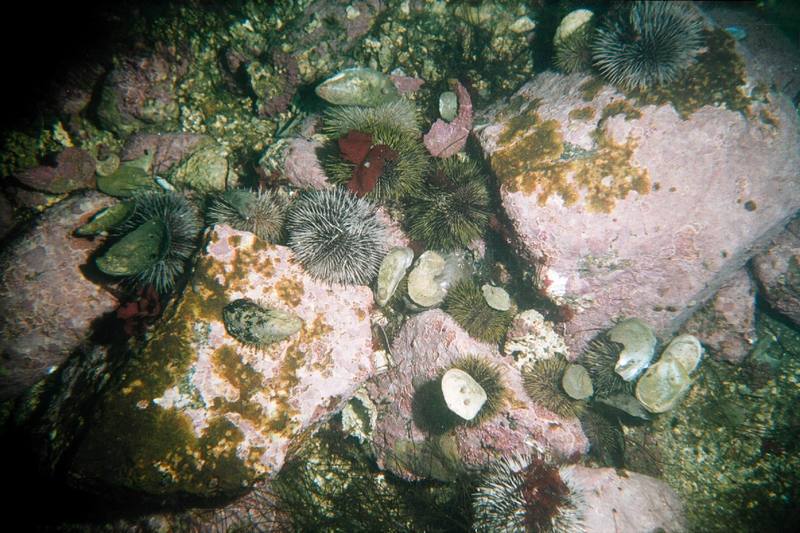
[(635, 211), (726, 324), (196, 412), (626, 503), (302, 167), (73, 170), (425, 346), (778, 272), (48, 306), (167, 149)]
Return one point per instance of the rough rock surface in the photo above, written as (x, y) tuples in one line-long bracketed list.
[(48, 306), (302, 167), (423, 347), (167, 149), (73, 170), (726, 325), (636, 211), (198, 413), (626, 504), (778, 272)]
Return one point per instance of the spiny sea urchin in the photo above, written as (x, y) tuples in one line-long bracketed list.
[(542, 381), (643, 44), (451, 209), (600, 358), (336, 236), (572, 43), (466, 304), (490, 378), (158, 237), (392, 131), (526, 494), (261, 213), (606, 438)]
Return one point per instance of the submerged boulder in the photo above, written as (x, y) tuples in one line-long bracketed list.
[(200, 413), (639, 210)]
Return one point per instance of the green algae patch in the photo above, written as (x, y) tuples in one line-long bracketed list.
[(621, 107), (531, 160), (591, 88), (582, 113), (716, 78)]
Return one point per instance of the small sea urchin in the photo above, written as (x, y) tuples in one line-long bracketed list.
[(261, 213), (452, 209), (466, 304), (158, 237), (542, 382), (600, 358), (336, 236), (572, 43), (392, 130), (526, 494), (643, 44)]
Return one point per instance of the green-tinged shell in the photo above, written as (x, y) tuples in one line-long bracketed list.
[(448, 105), (254, 325), (105, 219), (358, 86), (391, 273), (135, 252), (130, 178), (576, 382), (662, 385)]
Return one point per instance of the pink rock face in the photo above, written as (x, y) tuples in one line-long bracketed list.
[(303, 379), (448, 138), (48, 305), (726, 324), (426, 344), (644, 217), (778, 272), (302, 167), (632, 503), (167, 149), (74, 169)]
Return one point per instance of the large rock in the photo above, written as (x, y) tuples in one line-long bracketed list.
[(625, 503), (635, 211), (197, 413), (425, 346), (48, 305), (778, 272)]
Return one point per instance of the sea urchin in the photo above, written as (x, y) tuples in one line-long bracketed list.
[(336, 236), (542, 382), (644, 44), (261, 213), (466, 304)]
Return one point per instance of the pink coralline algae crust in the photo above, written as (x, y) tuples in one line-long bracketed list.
[(625, 502), (48, 305), (726, 324), (294, 383), (778, 272), (302, 167), (167, 149), (73, 170), (424, 346), (406, 84), (720, 185), (448, 138)]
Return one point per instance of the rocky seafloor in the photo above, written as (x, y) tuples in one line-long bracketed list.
[(405, 266)]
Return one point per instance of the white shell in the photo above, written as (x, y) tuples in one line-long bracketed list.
[(639, 343), (462, 394), (687, 350), (660, 388), (496, 297), (423, 287), (393, 268), (577, 383)]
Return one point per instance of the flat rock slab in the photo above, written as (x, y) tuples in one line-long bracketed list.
[(778, 272), (629, 503), (635, 211), (425, 346), (198, 413), (48, 306)]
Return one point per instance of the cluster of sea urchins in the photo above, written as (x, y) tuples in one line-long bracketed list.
[(644, 44), (336, 236), (526, 494)]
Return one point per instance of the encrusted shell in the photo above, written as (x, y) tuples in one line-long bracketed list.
[(496, 297), (639, 343), (423, 287), (687, 350), (393, 268), (254, 325), (462, 394), (577, 383), (660, 388)]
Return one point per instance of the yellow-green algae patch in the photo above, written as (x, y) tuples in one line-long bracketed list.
[(289, 291), (716, 78), (529, 160), (582, 113), (621, 107)]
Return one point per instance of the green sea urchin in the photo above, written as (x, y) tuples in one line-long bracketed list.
[(392, 127), (466, 304), (542, 382), (572, 43), (600, 358), (644, 44), (157, 239), (452, 209), (490, 378), (526, 494), (261, 213), (606, 439), (336, 236)]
